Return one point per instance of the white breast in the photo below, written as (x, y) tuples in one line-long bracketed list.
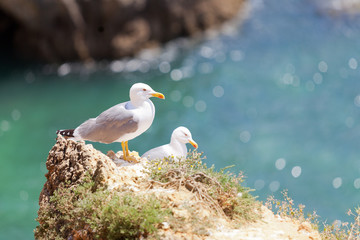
[(175, 149), (144, 115)]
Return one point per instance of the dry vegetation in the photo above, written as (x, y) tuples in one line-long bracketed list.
[(337, 230), (89, 211), (221, 190)]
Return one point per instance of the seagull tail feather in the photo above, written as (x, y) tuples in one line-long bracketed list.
[(66, 133)]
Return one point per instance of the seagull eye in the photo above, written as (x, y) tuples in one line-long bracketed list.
[(186, 135), (144, 89)]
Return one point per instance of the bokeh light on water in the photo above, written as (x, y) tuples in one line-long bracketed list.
[(337, 182), (280, 163), (296, 171)]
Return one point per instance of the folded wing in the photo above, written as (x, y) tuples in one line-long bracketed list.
[(109, 126)]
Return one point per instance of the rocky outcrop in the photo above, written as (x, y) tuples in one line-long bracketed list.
[(339, 7), (69, 163), (66, 30)]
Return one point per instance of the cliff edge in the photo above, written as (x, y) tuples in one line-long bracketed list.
[(89, 195)]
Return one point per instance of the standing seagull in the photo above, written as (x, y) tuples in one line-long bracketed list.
[(121, 122), (176, 148)]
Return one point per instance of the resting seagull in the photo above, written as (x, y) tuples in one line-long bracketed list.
[(120, 123), (176, 148)]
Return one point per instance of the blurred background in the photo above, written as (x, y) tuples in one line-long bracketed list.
[(275, 91)]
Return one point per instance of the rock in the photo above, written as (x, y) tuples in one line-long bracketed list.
[(305, 226), (270, 226), (66, 30), (69, 162), (165, 225), (339, 7)]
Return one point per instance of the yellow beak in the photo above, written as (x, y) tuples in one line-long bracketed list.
[(192, 142), (158, 95)]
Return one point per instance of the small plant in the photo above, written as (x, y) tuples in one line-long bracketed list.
[(81, 213), (355, 226), (221, 190), (287, 208), (343, 230), (338, 230)]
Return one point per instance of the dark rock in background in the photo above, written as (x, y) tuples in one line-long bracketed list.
[(67, 30)]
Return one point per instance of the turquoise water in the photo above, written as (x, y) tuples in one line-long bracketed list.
[(278, 97)]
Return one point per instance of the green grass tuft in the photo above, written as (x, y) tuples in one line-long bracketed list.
[(81, 213)]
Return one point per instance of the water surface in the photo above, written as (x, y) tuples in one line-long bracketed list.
[(278, 97)]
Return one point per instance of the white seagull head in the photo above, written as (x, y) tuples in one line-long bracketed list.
[(183, 135), (142, 92)]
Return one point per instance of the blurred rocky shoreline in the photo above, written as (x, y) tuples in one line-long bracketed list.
[(67, 30), (339, 7)]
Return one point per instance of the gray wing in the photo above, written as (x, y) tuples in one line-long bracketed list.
[(109, 126)]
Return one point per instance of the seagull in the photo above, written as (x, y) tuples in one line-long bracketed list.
[(176, 148), (120, 123)]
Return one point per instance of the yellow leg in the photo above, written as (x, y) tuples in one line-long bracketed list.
[(124, 150), (126, 154), (127, 148)]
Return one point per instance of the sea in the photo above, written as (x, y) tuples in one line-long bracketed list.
[(274, 93)]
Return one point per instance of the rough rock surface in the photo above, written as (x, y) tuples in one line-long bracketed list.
[(66, 30), (68, 161), (271, 227)]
